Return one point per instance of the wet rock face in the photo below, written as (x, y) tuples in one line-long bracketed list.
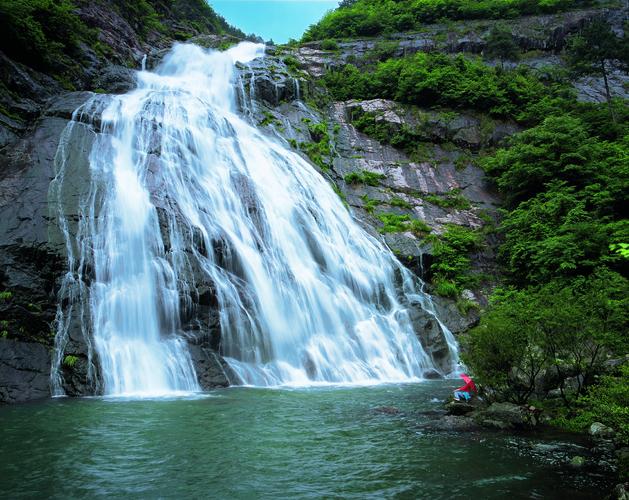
[(33, 258), (212, 370), (24, 371), (431, 337), (32, 263), (405, 182), (272, 82)]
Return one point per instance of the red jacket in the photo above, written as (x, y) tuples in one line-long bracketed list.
[(469, 387)]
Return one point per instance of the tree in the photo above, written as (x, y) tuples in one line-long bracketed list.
[(565, 329), (501, 45), (593, 50)]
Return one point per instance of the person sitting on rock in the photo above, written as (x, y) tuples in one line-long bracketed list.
[(466, 391)]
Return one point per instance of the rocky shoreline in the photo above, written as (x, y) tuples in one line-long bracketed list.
[(597, 456)]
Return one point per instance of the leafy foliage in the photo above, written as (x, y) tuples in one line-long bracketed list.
[(451, 267), (363, 18), (593, 50), (70, 361), (48, 34), (41, 33), (364, 177), (501, 45), (563, 329), (566, 190), (607, 402), (431, 79), (395, 223)]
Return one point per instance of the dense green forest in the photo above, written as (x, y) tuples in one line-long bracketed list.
[(48, 34), (559, 316), (376, 17)]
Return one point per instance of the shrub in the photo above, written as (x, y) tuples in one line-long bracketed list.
[(364, 177), (395, 223), (451, 261), (329, 45)]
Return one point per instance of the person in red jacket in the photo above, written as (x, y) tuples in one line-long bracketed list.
[(465, 391)]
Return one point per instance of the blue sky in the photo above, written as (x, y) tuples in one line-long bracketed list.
[(278, 20)]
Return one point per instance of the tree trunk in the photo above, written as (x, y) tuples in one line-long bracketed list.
[(608, 94)]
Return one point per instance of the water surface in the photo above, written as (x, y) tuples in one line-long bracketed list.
[(267, 443)]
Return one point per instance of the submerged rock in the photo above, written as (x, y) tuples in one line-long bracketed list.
[(387, 410)]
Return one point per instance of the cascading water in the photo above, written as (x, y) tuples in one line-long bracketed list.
[(180, 181)]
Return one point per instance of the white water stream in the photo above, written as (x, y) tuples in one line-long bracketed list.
[(305, 295)]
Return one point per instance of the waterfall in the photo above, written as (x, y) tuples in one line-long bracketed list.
[(183, 191)]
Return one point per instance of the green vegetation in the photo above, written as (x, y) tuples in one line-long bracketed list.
[(395, 223), (433, 80), (536, 339), (399, 202), (365, 18), (501, 45), (268, 119), (41, 33), (48, 34), (403, 137), (451, 199), (369, 204), (593, 50), (565, 189), (319, 149), (364, 177), (451, 267), (70, 361), (562, 311), (607, 402), (329, 45)]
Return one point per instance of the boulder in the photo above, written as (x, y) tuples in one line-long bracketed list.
[(459, 408), (506, 416), (599, 431), (620, 492)]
